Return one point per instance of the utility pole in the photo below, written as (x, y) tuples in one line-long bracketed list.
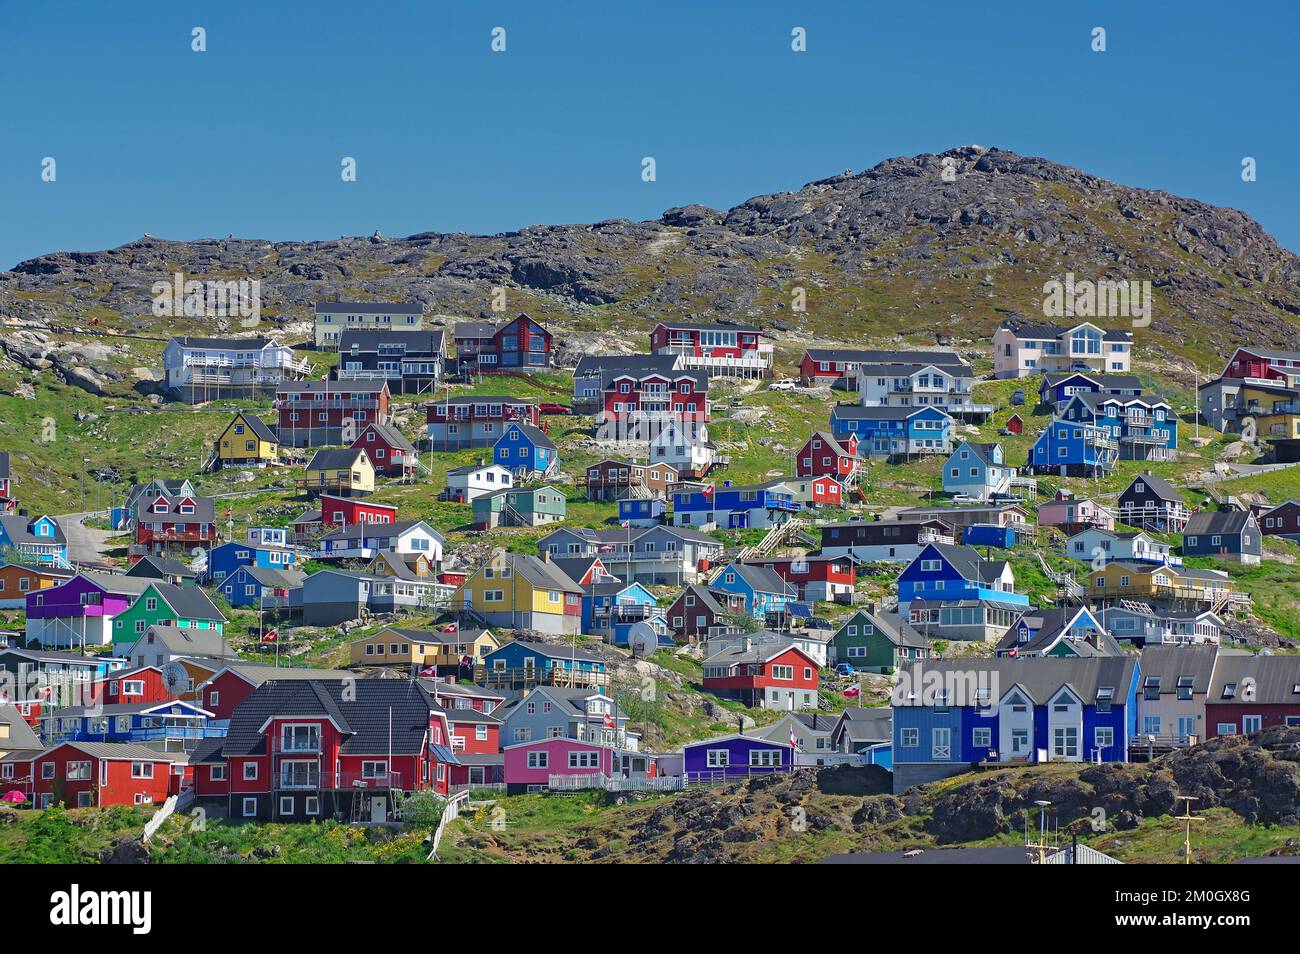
[(1187, 818)]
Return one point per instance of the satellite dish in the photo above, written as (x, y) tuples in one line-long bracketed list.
[(175, 678)]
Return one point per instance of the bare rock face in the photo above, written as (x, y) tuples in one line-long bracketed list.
[(905, 228)]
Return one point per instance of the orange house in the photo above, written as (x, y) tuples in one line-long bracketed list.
[(19, 579)]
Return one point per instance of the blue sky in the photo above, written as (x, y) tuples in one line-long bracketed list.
[(247, 138)]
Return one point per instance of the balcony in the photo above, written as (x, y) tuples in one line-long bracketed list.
[(528, 676)]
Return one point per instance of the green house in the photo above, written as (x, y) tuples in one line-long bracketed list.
[(519, 507), (876, 641), (185, 606)]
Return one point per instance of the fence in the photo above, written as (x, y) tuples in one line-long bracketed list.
[(173, 803), (450, 812), (578, 783)]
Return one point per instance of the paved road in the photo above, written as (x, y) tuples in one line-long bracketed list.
[(85, 544)]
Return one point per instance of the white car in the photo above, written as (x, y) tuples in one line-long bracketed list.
[(965, 499), (786, 384)]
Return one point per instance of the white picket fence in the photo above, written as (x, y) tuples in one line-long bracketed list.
[(450, 812), (578, 783), (174, 803)]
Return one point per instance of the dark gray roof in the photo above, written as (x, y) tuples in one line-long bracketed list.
[(259, 427), (185, 642), (127, 750), (335, 458), (1218, 522), (968, 562), (1029, 329), (761, 579), (894, 628), (15, 527), (595, 365), (1169, 663), (189, 602), (1276, 679), (333, 387), (4, 465), (204, 509), (1039, 676), (535, 435), (867, 724), (223, 344), (707, 326), (390, 434), (1158, 485), (417, 340), (361, 713), (160, 568), (270, 576), (1049, 626)]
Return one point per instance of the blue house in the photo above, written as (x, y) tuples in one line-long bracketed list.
[(1058, 387), (735, 507), (1073, 449), (977, 470), (181, 723), (525, 451), (765, 592), (227, 558), (1146, 428), (259, 587), (735, 757), (1227, 534), (944, 572), (520, 664), (37, 540), (951, 714), (893, 431), (609, 602), (641, 512)]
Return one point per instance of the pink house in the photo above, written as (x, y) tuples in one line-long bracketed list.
[(1073, 514), (530, 765)]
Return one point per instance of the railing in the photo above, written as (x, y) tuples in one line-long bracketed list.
[(538, 676), (450, 812), (733, 773)]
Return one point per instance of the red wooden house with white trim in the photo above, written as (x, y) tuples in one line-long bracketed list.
[(336, 512), (771, 675), (824, 455), (224, 691), (323, 413), (309, 749), (389, 450), (631, 399), (126, 686), (100, 774), (172, 524), (463, 695), (819, 579), (476, 740), (736, 350)]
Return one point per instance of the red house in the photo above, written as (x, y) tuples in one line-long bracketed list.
[(1251, 693), (99, 774), (7, 502), (820, 491), (1245, 363), (1015, 424), (306, 749), (631, 397), (476, 740), (167, 524), (699, 613), (519, 344), (772, 675), (837, 367), (141, 684), (322, 413), (735, 350), (388, 449), (463, 695), (1282, 520), (824, 455), (224, 691), (336, 512), (819, 579)]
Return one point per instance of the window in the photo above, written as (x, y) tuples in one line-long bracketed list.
[(909, 737), (718, 758), (374, 769), (311, 805), (250, 807), (1105, 737), (765, 758), (981, 738), (142, 770), (250, 771), (217, 773), (584, 760), (286, 805), (539, 760)]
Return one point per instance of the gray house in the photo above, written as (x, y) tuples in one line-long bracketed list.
[(552, 712)]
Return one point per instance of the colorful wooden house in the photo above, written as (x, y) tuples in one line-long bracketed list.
[(873, 640), (227, 558), (340, 472), (1152, 503), (455, 423), (171, 726), (895, 433), (247, 441), (1145, 427), (531, 766), (161, 604), (81, 611), (1064, 631), (1228, 534), (765, 592), (519, 507), (222, 691), (1282, 520), (977, 470), (951, 714), (758, 506), (465, 484), (518, 344), (816, 578), (526, 452), (324, 413), (700, 613), (623, 479), (946, 573), (33, 539), (518, 591), (18, 579), (410, 360), (389, 450), (824, 456), (521, 665), (167, 524), (1073, 449), (720, 349), (103, 774), (772, 676), (733, 757), (260, 588), (1249, 694)]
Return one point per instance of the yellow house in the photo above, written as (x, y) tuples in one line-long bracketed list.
[(1151, 581), (395, 647), (343, 472), (519, 591), (247, 441), (1276, 415), (404, 566)]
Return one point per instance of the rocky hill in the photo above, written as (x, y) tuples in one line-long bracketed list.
[(892, 250)]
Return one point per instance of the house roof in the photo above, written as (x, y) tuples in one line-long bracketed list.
[(204, 508), (707, 326), (122, 708), (15, 527), (1276, 679), (363, 713), (223, 344), (389, 434), (360, 531), (894, 628), (257, 673), (982, 450), (332, 387), (861, 724), (552, 651), (4, 465), (468, 469), (761, 579), (189, 602), (1038, 676), (595, 365), (536, 436), (369, 308), (968, 562), (416, 340), (756, 653), (21, 736), (258, 426), (336, 458), (163, 567), (1170, 663), (1122, 381), (1029, 329), (185, 642), (119, 583), (855, 412), (1217, 522), (270, 576), (1049, 626), (1158, 485), (126, 750)]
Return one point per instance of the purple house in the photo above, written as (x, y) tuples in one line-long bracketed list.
[(734, 756), (80, 611)]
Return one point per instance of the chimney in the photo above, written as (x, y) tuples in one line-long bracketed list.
[(546, 556), (481, 462), (746, 644), (871, 608)]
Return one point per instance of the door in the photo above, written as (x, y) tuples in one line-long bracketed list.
[(476, 775), (941, 745), (1186, 726), (378, 808), (1251, 724)]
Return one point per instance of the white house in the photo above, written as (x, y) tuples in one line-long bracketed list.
[(466, 483), (204, 369), (946, 384), (335, 317), (686, 447), (361, 541), (1021, 350), (1098, 547)]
